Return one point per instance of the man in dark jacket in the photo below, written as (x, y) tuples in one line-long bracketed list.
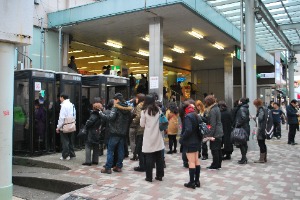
[(118, 120), (292, 115)]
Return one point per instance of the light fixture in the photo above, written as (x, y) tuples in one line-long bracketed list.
[(136, 67), (146, 38), (100, 61), (143, 52), (82, 68), (167, 59), (257, 13), (198, 57), (76, 51), (218, 46), (196, 34), (178, 49), (113, 44), (134, 63), (86, 57)]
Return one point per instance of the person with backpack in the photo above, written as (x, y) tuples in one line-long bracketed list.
[(261, 125), (292, 115)]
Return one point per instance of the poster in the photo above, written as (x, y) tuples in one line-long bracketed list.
[(37, 86), (153, 82)]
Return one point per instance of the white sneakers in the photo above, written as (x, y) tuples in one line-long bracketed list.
[(67, 158)]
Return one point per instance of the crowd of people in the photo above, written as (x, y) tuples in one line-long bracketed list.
[(137, 123)]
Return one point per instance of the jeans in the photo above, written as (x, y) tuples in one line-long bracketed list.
[(262, 146), (88, 152), (277, 129), (115, 142), (151, 158), (67, 140)]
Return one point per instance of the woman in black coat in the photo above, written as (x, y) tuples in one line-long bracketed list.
[(93, 126), (227, 128), (242, 119)]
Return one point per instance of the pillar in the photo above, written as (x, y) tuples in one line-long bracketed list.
[(251, 82), (291, 66), (228, 80), (156, 56), (7, 54)]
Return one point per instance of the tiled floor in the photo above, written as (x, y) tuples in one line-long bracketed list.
[(279, 178)]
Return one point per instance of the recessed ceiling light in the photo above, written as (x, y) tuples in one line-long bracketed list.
[(196, 34), (198, 57), (143, 52), (146, 38), (113, 44), (218, 46), (76, 51), (167, 59), (178, 49)]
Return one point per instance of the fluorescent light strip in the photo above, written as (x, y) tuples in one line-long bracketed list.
[(146, 38), (86, 57), (143, 52), (178, 49), (167, 59), (100, 61), (82, 68), (113, 44), (76, 51), (195, 34), (218, 46), (198, 57)]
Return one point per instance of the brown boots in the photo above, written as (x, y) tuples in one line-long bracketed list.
[(262, 158)]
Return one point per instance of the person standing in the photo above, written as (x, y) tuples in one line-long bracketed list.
[(118, 120), (191, 141), (132, 84), (93, 136), (153, 143), (261, 125), (172, 116), (226, 120), (292, 116), (277, 115), (72, 64), (241, 120), (200, 108), (67, 110), (216, 131)]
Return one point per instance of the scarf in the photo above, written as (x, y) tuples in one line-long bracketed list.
[(209, 108), (189, 109)]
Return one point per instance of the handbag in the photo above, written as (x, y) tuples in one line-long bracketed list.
[(82, 132), (238, 136), (163, 122), (69, 125)]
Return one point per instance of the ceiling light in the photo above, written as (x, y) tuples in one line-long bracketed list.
[(136, 67), (82, 68), (218, 46), (134, 63), (167, 59), (76, 51), (143, 52), (100, 61), (146, 38), (196, 34), (178, 49), (113, 44), (198, 57)]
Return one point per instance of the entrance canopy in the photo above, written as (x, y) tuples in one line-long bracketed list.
[(125, 23)]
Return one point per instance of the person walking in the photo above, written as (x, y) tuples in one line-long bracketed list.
[(226, 120), (118, 120), (191, 140), (216, 131), (67, 110), (172, 116), (261, 125), (292, 116), (93, 127), (153, 143), (242, 119)]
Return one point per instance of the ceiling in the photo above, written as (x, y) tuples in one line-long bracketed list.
[(129, 29)]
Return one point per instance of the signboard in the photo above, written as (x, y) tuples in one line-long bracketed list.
[(181, 79), (237, 52), (153, 82), (266, 75), (37, 86)]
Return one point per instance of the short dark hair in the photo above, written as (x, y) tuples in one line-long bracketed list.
[(275, 103), (294, 101), (72, 57), (63, 95)]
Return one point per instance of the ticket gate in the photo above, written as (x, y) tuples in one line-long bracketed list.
[(34, 114)]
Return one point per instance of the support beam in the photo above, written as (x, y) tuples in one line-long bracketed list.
[(156, 56), (228, 80), (291, 66), (296, 48)]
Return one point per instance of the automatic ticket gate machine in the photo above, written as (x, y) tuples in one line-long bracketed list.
[(104, 86), (34, 120), (70, 84)]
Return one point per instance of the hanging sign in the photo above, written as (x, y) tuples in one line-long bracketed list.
[(37, 86), (153, 82)]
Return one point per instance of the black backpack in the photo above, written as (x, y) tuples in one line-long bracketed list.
[(269, 126), (203, 128)]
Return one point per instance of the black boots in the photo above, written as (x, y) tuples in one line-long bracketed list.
[(244, 160), (244, 149), (191, 184), (197, 176)]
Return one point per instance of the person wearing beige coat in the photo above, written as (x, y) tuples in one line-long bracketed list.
[(153, 143), (172, 116)]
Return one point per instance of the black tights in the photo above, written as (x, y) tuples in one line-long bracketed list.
[(172, 140), (262, 146)]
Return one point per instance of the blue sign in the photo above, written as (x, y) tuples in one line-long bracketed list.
[(181, 79)]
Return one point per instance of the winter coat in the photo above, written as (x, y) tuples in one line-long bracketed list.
[(40, 122), (291, 113), (214, 120), (190, 137), (93, 128), (152, 139), (227, 129), (173, 123), (242, 118), (106, 127), (136, 120), (261, 124), (118, 119)]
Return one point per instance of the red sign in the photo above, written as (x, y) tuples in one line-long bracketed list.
[(6, 112)]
